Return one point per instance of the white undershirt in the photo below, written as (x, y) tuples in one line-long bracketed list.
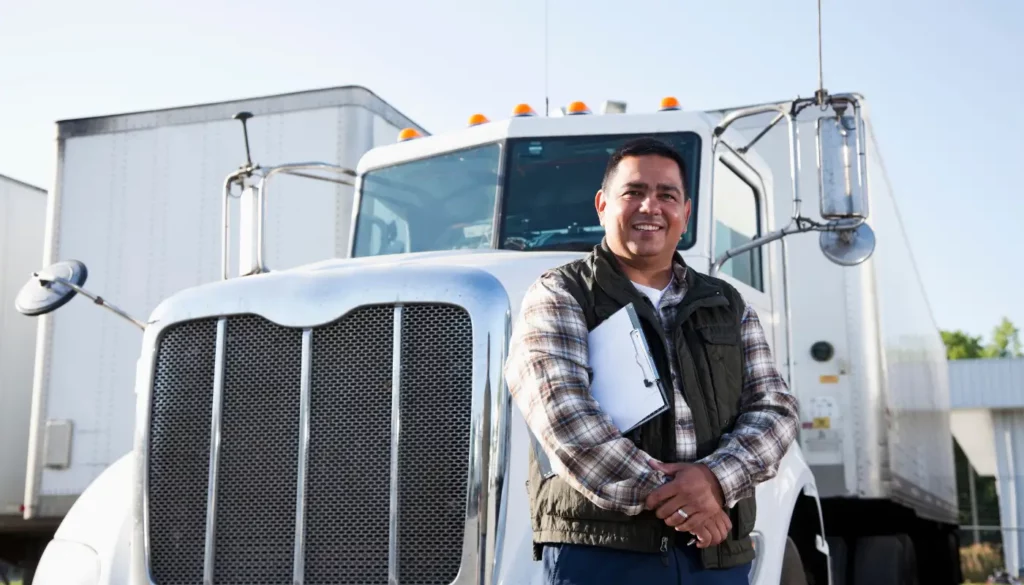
[(651, 292)]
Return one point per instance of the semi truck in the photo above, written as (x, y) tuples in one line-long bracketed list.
[(136, 197), (347, 421), (22, 217)]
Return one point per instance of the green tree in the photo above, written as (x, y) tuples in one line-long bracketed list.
[(961, 346), (1005, 341)]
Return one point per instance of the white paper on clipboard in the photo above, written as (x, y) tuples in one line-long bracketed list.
[(625, 385)]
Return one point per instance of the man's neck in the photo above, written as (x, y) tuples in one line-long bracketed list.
[(656, 274)]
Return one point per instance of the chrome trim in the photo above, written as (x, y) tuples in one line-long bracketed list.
[(225, 214), (215, 420), (261, 176), (313, 297), (396, 419), (501, 407), (288, 169), (299, 566)]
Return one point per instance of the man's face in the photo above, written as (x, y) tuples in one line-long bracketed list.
[(643, 210)]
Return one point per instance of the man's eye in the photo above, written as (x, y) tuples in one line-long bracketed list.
[(668, 196)]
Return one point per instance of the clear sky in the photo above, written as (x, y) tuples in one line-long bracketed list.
[(945, 80)]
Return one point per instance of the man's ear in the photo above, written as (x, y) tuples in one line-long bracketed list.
[(599, 204)]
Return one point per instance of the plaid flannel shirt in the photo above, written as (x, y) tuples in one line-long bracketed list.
[(547, 375)]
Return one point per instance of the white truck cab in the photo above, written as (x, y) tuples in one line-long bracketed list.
[(348, 422)]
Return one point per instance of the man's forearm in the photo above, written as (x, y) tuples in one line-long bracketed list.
[(768, 422), (548, 378)]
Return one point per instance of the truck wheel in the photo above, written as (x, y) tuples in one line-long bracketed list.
[(792, 566), (884, 560)]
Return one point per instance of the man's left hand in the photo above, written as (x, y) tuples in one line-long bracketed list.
[(693, 488)]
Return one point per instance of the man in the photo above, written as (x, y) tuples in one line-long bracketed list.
[(626, 509)]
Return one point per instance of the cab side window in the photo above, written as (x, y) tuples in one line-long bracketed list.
[(737, 221)]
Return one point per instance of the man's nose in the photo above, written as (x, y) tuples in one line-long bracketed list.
[(649, 205)]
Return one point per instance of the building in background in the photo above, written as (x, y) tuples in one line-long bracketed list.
[(987, 398)]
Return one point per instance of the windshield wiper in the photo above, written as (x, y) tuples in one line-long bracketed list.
[(570, 246)]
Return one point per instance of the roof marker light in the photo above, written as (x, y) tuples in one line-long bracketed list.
[(477, 119), (669, 104), (408, 134), (522, 110), (577, 109)]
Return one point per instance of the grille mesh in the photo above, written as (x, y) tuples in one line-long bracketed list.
[(436, 395), (256, 481), (348, 478), (179, 452), (348, 474)]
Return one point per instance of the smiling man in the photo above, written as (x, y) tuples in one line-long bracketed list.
[(624, 509)]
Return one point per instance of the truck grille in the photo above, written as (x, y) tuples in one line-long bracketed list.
[(347, 535)]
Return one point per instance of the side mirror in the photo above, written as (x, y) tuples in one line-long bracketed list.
[(842, 189), (841, 174), (848, 247), (54, 286), (51, 288)]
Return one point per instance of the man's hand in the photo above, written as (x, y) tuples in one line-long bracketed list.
[(696, 491), (713, 532)]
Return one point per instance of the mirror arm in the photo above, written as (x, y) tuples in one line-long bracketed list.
[(778, 117), (95, 299), (794, 227)]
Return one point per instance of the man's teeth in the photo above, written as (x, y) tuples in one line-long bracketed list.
[(646, 227)]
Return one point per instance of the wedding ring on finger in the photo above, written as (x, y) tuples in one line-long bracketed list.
[(682, 513)]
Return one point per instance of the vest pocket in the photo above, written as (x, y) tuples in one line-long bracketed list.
[(722, 344)]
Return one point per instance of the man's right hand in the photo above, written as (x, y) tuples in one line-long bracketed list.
[(695, 490), (713, 531)]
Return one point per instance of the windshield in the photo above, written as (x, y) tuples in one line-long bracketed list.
[(447, 202), (552, 182), (444, 202)]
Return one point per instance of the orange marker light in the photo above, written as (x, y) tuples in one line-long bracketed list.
[(523, 110), (408, 134), (577, 108), (477, 119), (669, 103)]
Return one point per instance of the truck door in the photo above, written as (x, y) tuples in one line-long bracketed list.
[(738, 216)]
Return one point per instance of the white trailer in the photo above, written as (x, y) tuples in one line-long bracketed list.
[(347, 421), (138, 199), (869, 367), (22, 217)]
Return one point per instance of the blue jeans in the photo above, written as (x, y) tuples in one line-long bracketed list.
[(571, 564)]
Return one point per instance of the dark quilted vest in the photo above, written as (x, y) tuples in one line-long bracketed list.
[(706, 336)]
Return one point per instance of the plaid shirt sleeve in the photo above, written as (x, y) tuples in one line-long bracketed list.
[(548, 376), (767, 424)]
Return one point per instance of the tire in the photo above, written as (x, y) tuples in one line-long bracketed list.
[(792, 566), (884, 560)]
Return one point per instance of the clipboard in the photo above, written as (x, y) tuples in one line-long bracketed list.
[(624, 380)]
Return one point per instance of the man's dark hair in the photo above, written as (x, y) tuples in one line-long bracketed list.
[(645, 146)]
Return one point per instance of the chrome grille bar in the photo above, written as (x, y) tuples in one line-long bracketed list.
[(299, 567), (218, 399), (396, 384)]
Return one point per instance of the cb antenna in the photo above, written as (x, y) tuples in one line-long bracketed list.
[(821, 94), (244, 117)]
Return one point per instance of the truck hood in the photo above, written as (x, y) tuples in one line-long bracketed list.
[(304, 296)]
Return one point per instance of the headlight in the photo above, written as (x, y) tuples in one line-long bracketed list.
[(65, 562), (757, 541)]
